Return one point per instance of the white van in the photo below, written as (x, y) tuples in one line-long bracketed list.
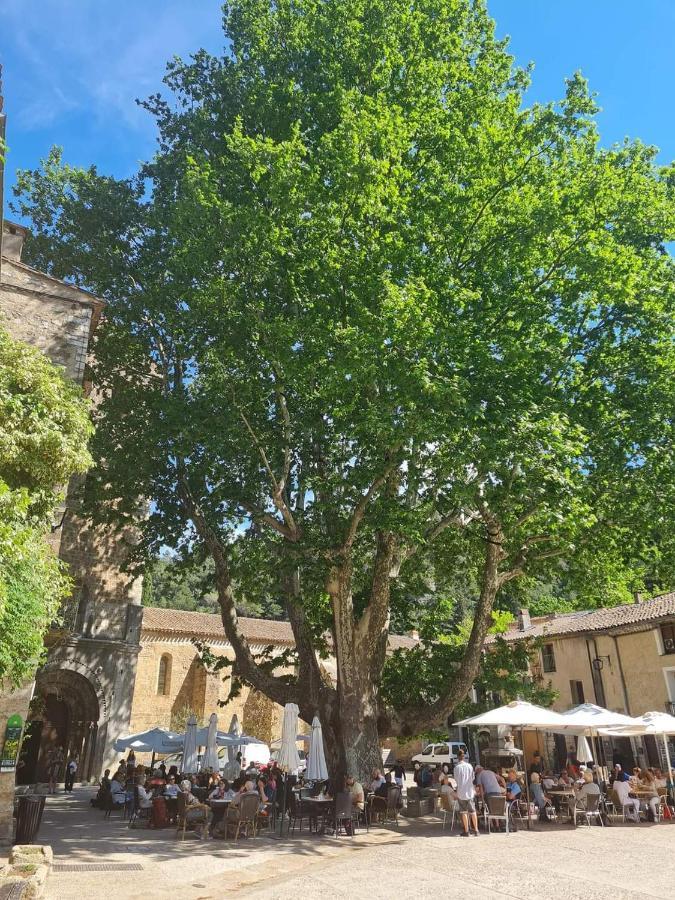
[(441, 752)]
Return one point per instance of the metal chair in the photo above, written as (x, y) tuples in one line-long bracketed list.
[(393, 804), (344, 813), (497, 809), (449, 807), (299, 811), (590, 811)]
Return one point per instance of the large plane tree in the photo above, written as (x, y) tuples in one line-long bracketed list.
[(373, 321)]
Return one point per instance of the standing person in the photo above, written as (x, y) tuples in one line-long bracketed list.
[(54, 763), (463, 775), (71, 770), (399, 774), (536, 766)]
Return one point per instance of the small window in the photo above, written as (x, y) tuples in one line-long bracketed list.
[(164, 675), (668, 637), (548, 658), (428, 750), (442, 750), (577, 691)]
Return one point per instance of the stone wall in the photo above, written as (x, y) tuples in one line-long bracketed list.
[(191, 685)]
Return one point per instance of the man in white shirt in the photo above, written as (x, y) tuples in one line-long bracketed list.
[(463, 775)]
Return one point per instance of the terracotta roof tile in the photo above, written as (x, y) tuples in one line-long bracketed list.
[(208, 625), (631, 614)]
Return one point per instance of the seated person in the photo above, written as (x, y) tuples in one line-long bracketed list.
[(487, 783), (447, 792), (171, 789), (118, 794), (144, 796), (377, 781), (222, 791), (621, 788), (564, 780), (537, 792), (548, 781), (587, 788), (648, 786), (513, 789), (355, 788), (196, 812)]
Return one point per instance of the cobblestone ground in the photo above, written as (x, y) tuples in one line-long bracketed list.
[(416, 860)]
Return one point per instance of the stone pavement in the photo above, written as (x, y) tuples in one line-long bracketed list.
[(417, 860)]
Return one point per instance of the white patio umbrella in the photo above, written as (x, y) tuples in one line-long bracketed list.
[(288, 753), (210, 759), (519, 714), (317, 770), (584, 754), (655, 723), (233, 768), (190, 760), (588, 717)]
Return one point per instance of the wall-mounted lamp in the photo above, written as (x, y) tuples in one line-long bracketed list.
[(598, 663)]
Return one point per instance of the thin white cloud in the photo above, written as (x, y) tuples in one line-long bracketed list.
[(96, 56)]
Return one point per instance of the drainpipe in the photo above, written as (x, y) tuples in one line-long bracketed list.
[(623, 677)]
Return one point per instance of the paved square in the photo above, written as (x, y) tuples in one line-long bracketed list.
[(418, 860)]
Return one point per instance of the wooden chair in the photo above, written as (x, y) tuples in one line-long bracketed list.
[(181, 809), (246, 817)]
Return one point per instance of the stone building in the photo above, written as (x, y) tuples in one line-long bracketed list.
[(81, 696), (621, 658), (171, 680)]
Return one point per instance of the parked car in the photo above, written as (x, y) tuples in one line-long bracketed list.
[(441, 752)]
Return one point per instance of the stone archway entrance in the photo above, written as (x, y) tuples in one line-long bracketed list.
[(65, 712)]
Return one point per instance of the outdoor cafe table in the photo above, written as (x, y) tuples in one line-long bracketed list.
[(564, 795), (219, 808), (321, 807)]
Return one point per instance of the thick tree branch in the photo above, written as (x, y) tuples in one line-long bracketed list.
[(277, 487), (278, 690), (362, 505)]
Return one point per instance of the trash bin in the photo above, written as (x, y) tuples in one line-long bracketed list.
[(28, 818)]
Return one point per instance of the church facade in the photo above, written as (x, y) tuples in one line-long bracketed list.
[(81, 695)]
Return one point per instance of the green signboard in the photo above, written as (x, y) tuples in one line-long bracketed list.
[(11, 744)]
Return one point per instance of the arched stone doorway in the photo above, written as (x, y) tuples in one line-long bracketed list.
[(66, 712)]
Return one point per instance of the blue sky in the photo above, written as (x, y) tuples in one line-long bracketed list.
[(73, 68)]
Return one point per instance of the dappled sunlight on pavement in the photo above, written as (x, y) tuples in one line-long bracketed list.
[(416, 860)]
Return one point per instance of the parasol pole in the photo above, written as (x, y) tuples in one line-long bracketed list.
[(527, 780)]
